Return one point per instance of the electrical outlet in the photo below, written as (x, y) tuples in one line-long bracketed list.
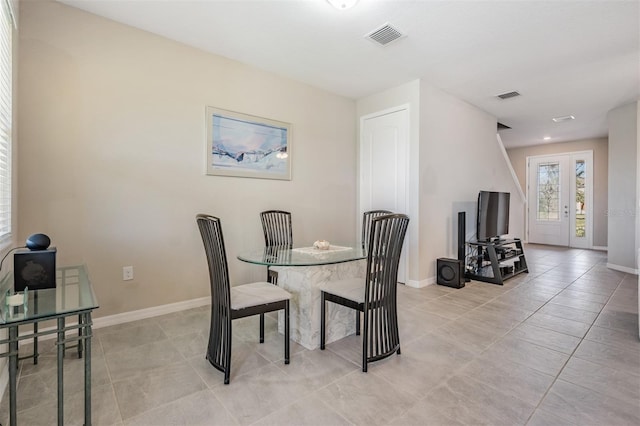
[(127, 273)]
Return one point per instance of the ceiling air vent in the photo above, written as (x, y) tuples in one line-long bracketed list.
[(384, 35), (508, 95)]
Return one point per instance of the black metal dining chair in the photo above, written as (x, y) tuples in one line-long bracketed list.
[(367, 217), (278, 233), (375, 294), (229, 303), (276, 225)]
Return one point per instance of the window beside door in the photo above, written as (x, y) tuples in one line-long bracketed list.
[(581, 175)]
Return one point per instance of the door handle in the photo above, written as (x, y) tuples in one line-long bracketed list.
[(566, 211)]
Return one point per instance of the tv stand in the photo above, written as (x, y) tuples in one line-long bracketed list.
[(496, 260)]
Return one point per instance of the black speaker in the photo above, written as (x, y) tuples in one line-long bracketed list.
[(462, 241), (450, 272), (38, 242), (462, 230), (35, 269)]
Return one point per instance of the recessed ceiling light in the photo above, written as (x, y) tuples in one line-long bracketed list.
[(342, 4), (547, 138), (563, 118)]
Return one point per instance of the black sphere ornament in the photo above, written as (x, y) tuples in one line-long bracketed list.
[(38, 242)]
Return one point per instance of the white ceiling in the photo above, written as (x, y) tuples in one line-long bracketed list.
[(579, 58)]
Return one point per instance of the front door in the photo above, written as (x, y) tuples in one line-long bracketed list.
[(560, 199)]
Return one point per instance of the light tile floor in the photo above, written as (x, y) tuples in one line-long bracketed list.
[(553, 347)]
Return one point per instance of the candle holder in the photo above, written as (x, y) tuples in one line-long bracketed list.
[(16, 302)]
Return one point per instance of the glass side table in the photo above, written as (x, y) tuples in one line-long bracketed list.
[(73, 296)]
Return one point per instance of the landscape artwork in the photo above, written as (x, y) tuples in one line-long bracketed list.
[(247, 146)]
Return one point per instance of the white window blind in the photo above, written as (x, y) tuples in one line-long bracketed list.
[(6, 30)]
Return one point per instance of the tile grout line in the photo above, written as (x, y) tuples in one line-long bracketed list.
[(557, 376)]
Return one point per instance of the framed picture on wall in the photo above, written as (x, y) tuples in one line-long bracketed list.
[(244, 145)]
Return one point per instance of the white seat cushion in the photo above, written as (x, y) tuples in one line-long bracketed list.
[(255, 294), (352, 288)]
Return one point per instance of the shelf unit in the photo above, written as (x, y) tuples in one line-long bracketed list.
[(496, 261)]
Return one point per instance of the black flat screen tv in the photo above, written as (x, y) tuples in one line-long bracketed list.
[(493, 215)]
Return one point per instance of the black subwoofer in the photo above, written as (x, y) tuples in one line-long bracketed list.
[(450, 272)]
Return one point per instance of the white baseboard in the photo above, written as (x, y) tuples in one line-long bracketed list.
[(421, 283), (622, 269), (601, 248), (114, 320), (155, 311), (126, 317)]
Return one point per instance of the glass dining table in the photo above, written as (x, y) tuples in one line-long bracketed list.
[(301, 271)]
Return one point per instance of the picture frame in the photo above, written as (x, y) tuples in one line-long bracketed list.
[(244, 145)]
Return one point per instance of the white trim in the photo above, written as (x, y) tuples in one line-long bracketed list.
[(114, 320), (8, 40), (130, 316), (622, 269), (149, 312), (511, 169), (407, 184), (526, 204), (601, 248), (12, 7), (421, 283), (586, 242), (384, 112), (572, 155)]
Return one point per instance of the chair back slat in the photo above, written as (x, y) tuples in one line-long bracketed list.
[(367, 217), (276, 225), (380, 312), (220, 332)]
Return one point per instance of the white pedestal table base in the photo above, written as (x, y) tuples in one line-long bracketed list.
[(303, 283)]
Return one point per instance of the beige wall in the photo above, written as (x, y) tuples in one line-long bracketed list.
[(459, 156), (623, 208), (454, 154), (112, 156), (600, 148)]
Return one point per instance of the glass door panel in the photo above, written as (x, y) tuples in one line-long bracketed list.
[(549, 191), (580, 175)]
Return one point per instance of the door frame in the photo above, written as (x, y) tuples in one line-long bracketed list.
[(407, 204), (589, 193)]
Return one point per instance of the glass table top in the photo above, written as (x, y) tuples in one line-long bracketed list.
[(73, 293), (303, 256)]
